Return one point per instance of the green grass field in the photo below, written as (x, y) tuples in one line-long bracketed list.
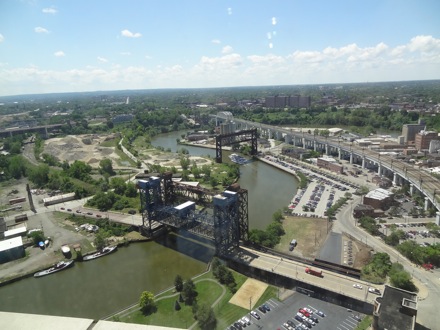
[(209, 290)]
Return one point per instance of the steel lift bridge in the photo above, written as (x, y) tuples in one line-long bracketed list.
[(225, 223), (234, 138)]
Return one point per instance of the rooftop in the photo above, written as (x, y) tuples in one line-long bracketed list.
[(397, 309)]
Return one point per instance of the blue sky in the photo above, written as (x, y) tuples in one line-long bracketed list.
[(89, 45)]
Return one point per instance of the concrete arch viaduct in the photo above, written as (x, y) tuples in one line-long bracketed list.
[(400, 172)]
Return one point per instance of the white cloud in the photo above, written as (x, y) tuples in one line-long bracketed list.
[(274, 21), (102, 59), (227, 50), (59, 53), (129, 34), (52, 11), (229, 11), (40, 29), (269, 35), (1, 37), (216, 41), (417, 59), (270, 45)]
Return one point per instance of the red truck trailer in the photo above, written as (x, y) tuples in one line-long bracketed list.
[(313, 272)]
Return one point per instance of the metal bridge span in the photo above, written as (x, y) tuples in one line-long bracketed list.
[(386, 165), (224, 219)]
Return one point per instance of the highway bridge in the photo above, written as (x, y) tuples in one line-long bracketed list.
[(289, 273), (386, 165)]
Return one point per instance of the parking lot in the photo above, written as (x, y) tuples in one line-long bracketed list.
[(336, 317)]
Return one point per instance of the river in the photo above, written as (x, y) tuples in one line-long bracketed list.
[(269, 189), (100, 287)]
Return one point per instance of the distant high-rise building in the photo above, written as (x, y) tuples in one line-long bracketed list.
[(282, 101), (409, 131), (424, 138), (128, 100)]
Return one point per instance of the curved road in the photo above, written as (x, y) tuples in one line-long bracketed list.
[(427, 308)]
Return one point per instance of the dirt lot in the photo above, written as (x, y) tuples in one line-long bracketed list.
[(310, 234), (86, 148)]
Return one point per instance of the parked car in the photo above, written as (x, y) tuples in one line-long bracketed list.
[(357, 286), (320, 313), (255, 315), (308, 310), (304, 312), (262, 309), (298, 318), (238, 325), (267, 307)]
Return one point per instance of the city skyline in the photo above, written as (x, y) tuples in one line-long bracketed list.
[(51, 47)]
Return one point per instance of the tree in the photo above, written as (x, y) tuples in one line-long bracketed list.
[(119, 186), (178, 283), (189, 292), (184, 163), (106, 166), (100, 241), (16, 167), (39, 175), (205, 317), (37, 237), (131, 190), (401, 278), (147, 303), (80, 170), (277, 216)]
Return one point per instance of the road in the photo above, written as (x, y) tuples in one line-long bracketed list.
[(288, 268), (427, 314)]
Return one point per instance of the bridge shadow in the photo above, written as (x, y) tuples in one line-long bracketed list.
[(191, 245), (420, 327)]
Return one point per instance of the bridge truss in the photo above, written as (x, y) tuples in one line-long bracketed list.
[(224, 219), (234, 138)]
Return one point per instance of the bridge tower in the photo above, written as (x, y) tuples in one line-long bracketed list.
[(151, 198), (226, 225)]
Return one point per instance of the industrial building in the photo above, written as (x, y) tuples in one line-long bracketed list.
[(424, 138), (58, 199), (379, 199), (395, 310), (330, 164), (409, 131), (11, 249)]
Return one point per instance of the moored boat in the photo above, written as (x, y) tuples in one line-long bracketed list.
[(103, 252), (56, 268), (238, 159)]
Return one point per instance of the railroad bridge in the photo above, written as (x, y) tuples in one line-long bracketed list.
[(223, 219)]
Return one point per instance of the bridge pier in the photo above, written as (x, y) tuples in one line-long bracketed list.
[(427, 204), (363, 162), (351, 157), (288, 139), (339, 153), (395, 179), (411, 189), (437, 218), (326, 148)]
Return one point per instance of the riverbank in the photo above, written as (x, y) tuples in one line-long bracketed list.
[(29, 271)]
